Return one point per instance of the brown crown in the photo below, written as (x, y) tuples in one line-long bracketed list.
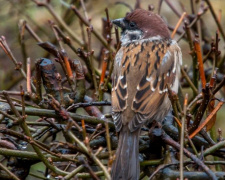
[(150, 23)]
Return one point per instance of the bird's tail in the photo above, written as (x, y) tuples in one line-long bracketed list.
[(126, 166)]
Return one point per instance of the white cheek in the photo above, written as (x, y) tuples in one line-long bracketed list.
[(126, 36), (124, 39)]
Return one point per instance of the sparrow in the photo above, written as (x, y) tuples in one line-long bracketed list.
[(146, 63)]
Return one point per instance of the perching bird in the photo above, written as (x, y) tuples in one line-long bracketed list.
[(147, 61)]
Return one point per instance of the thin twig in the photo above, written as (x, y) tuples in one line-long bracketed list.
[(108, 141), (214, 148), (216, 19), (90, 54), (95, 159), (195, 90), (200, 62), (33, 34), (38, 80), (84, 8), (48, 6), (7, 50), (173, 8), (174, 144), (219, 105), (13, 176), (28, 76), (74, 172), (96, 33), (182, 137), (178, 24)]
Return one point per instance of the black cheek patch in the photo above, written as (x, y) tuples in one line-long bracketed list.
[(133, 37)]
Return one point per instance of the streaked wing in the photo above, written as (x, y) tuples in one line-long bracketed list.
[(119, 91), (162, 67), (150, 65)]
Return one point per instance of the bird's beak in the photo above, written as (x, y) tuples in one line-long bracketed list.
[(119, 22)]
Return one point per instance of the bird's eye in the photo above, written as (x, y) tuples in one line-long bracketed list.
[(132, 24)]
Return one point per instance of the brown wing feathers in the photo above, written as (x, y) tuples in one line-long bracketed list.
[(155, 61)]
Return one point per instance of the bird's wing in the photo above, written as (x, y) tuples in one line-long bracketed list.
[(119, 89), (162, 67), (158, 62)]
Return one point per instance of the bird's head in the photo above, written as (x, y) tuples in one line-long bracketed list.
[(142, 24)]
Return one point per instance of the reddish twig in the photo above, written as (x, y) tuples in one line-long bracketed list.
[(200, 62), (219, 105), (84, 129), (28, 76), (178, 24), (104, 67)]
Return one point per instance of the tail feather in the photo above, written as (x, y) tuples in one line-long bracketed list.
[(126, 165)]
